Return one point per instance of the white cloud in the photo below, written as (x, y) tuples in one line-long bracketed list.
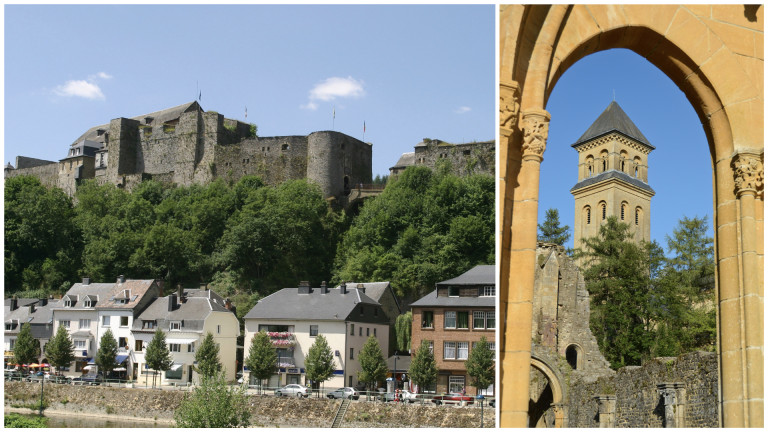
[(333, 88), (462, 110), (79, 88), (103, 75)]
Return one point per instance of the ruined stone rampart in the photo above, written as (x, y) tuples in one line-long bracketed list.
[(462, 159), (46, 171)]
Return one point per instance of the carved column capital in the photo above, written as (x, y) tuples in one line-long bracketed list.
[(509, 106), (748, 173), (535, 133)]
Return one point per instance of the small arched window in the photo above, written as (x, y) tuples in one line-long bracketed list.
[(602, 210), (572, 356), (637, 216), (588, 214), (623, 210)]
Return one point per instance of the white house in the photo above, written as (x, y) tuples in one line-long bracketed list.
[(185, 317), (293, 317), (36, 312)]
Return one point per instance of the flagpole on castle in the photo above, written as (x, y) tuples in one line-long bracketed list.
[(363, 130), (333, 124)]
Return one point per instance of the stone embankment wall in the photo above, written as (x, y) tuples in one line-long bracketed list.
[(638, 402), (266, 410)]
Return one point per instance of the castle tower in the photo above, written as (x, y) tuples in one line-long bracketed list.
[(613, 176)]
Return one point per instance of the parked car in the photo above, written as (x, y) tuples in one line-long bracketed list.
[(297, 390), (59, 379), (405, 396), (453, 398), (344, 393), (88, 379)]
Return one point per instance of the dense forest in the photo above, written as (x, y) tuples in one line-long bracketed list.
[(246, 239)]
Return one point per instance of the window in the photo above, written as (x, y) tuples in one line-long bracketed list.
[(462, 350), (174, 372), (313, 330), (175, 325), (588, 212), (431, 346), (456, 384), (351, 353), (637, 216), (191, 347), (85, 323), (218, 329), (123, 321), (105, 321), (374, 331), (89, 303), (450, 319), (375, 312), (491, 346), (122, 342), (602, 210), (449, 350), (148, 324), (139, 345), (489, 290), (427, 319), (80, 344), (67, 303), (360, 331), (362, 310), (64, 323), (8, 326), (462, 320), (478, 320), (453, 291), (623, 206), (174, 347), (367, 331), (490, 319), (351, 329), (12, 344)]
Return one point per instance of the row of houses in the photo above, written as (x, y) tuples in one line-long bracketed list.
[(452, 318)]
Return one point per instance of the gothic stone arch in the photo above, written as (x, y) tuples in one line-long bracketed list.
[(559, 392), (714, 54)]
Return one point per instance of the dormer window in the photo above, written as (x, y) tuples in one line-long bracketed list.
[(489, 290), (89, 303), (176, 325), (453, 291), (148, 324), (68, 302)]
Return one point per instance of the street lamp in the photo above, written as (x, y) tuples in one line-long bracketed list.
[(41, 374), (394, 372), (480, 398)]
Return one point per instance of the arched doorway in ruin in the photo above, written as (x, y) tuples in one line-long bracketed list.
[(713, 53), (547, 397)]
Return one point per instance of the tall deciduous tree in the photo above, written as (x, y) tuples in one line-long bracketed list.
[(373, 367), (26, 348), (157, 355), (214, 404), (319, 362), (423, 369), (207, 357), (106, 356), (480, 365), (551, 231), (262, 357), (60, 349), (403, 325)]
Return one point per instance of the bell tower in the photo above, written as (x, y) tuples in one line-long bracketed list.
[(613, 176)]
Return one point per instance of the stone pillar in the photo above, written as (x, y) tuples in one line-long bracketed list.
[(561, 415), (748, 180), (606, 410), (673, 396)]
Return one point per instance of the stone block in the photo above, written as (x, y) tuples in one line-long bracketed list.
[(693, 36), (747, 123), (736, 14), (701, 11), (657, 17), (729, 80)]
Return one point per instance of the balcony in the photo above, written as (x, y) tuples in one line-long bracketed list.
[(282, 339), (285, 362)]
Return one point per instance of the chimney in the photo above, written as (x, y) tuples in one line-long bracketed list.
[(361, 288), (86, 281), (180, 293), (171, 302), (121, 279), (227, 304), (14, 303), (304, 287), (323, 288), (343, 287)]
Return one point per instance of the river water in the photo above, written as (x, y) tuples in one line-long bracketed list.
[(55, 421)]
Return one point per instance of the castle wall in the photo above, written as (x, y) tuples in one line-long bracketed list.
[(48, 173), (274, 159), (638, 402), (336, 161), (465, 159)]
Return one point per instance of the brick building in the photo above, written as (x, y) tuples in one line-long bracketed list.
[(453, 318)]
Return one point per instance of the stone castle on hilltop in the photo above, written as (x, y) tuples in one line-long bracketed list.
[(186, 145)]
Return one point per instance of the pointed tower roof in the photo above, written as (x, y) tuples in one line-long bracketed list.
[(613, 119)]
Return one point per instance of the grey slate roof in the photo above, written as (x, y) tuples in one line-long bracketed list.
[(198, 305), (289, 304), (613, 174), (613, 119), (432, 300), (406, 160), (374, 290), (478, 275), (40, 319)]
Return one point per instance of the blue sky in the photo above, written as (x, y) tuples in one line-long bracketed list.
[(408, 72), (679, 170)]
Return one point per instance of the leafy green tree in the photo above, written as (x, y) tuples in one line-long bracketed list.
[(551, 231), (403, 325), (158, 356), (27, 348), (14, 420), (373, 367), (207, 357), (319, 362), (214, 404), (106, 356), (480, 365), (60, 349), (262, 357), (423, 369)]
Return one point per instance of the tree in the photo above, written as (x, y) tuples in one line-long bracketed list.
[(262, 357), (157, 356), (373, 367), (480, 365), (319, 362), (423, 369), (60, 349), (27, 348), (207, 357), (403, 325), (551, 231), (106, 357), (214, 404)]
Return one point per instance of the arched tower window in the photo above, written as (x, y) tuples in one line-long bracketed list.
[(590, 161), (588, 214), (623, 156), (637, 166), (638, 212), (573, 356), (602, 210), (624, 206), (604, 160)]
